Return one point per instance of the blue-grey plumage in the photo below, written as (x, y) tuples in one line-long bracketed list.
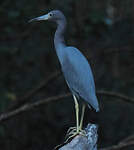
[(75, 67), (78, 76)]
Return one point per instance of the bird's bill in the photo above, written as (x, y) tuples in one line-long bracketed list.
[(44, 17)]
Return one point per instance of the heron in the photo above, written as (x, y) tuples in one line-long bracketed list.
[(76, 70)]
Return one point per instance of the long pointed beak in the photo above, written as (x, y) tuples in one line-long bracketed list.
[(44, 17)]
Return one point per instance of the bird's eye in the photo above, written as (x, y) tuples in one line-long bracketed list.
[(51, 15)]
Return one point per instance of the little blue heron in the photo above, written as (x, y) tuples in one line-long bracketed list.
[(75, 68)]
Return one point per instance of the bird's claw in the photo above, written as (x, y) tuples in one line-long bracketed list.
[(73, 131), (80, 132), (70, 129)]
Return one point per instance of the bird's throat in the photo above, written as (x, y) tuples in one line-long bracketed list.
[(59, 34), (59, 41)]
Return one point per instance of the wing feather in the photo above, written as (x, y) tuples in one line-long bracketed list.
[(78, 76)]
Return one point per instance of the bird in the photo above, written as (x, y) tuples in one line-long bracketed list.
[(76, 70)]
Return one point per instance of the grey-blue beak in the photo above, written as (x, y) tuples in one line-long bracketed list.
[(44, 17)]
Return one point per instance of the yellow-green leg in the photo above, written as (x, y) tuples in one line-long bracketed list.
[(73, 131), (82, 116), (77, 113)]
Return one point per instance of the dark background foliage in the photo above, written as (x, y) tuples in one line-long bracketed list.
[(103, 31)]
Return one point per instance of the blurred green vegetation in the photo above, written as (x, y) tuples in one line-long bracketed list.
[(102, 30)]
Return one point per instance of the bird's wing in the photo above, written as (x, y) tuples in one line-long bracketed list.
[(79, 76)]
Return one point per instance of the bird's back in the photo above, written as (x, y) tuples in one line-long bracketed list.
[(79, 76)]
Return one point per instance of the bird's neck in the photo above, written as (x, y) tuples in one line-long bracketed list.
[(59, 41)]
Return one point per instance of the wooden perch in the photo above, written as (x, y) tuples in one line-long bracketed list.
[(80, 142)]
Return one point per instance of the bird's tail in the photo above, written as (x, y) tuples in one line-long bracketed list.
[(93, 103), (97, 109)]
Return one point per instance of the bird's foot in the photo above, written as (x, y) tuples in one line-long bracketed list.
[(73, 131)]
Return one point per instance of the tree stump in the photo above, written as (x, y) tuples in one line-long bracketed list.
[(80, 142)]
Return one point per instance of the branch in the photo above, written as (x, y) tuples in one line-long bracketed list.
[(116, 95), (7, 115), (119, 146), (129, 141), (42, 84), (28, 106)]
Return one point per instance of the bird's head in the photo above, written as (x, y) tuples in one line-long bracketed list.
[(54, 15)]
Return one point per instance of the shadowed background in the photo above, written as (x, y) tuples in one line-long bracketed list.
[(103, 31)]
